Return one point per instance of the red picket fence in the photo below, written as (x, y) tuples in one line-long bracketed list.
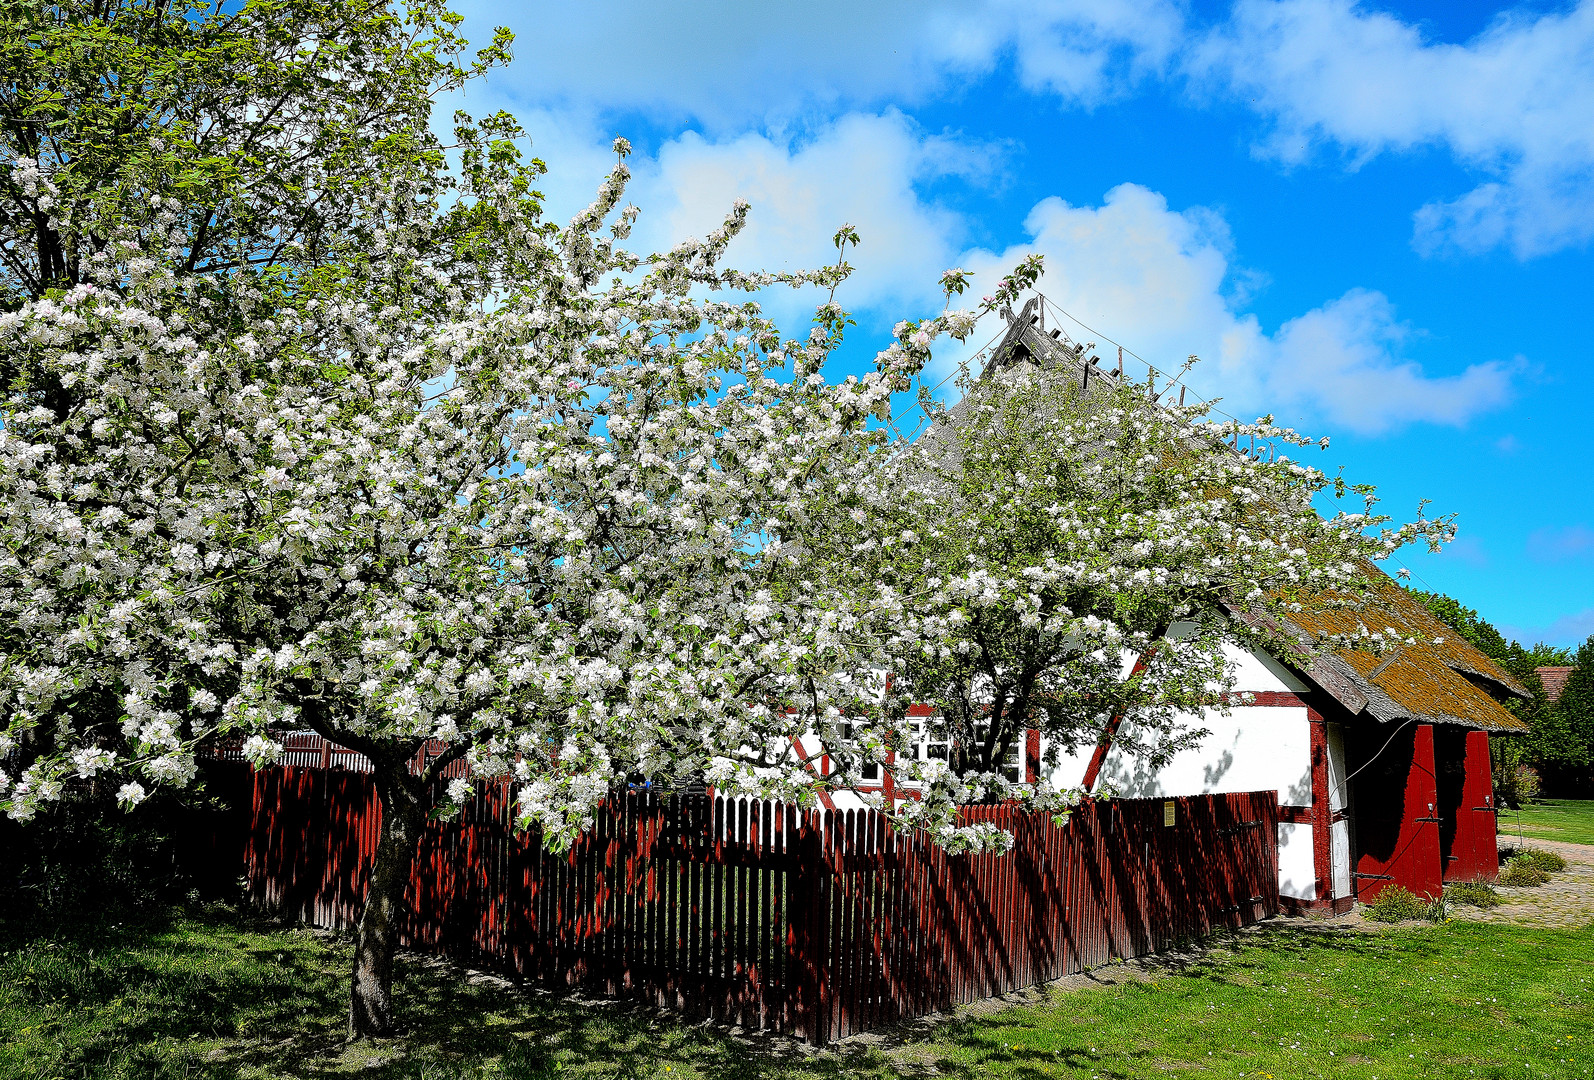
[(818, 925)]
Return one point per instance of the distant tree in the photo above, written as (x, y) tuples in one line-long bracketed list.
[(1466, 622), (1576, 707), (1542, 654), (1561, 749)]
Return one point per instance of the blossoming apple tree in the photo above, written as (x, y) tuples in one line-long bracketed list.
[(476, 479), (1076, 560), (540, 531), (310, 421)]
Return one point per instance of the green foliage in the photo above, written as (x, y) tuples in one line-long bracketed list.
[(1560, 742), (1545, 655), (85, 863), (1398, 904), (1466, 622), (1473, 893), (1520, 872), (262, 122), (1515, 784), (1576, 706)]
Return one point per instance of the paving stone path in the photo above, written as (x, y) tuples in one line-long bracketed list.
[(1565, 902)]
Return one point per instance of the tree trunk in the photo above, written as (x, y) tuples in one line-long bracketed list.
[(404, 807)]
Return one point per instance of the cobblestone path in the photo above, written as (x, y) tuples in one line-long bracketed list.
[(1565, 902)]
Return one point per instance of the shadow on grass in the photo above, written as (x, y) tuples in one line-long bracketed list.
[(533, 1034), (223, 995)]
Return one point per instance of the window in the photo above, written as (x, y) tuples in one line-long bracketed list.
[(1012, 764), (928, 740), (871, 769)]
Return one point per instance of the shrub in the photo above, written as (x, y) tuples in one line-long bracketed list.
[(1397, 904), (1547, 861), (1515, 785), (1521, 873), (1475, 893), (84, 860)]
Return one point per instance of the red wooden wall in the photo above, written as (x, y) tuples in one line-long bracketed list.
[(1423, 802), (1467, 823), (815, 924)]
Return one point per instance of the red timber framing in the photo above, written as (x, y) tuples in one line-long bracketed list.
[(1320, 815), (1099, 757), (817, 924)]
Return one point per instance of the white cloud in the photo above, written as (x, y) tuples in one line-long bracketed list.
[(1515, 103), (1159, 280), (1162, 281), (1345, 356), (1083, 51), (864, 170), (727, 62), (717, 61)]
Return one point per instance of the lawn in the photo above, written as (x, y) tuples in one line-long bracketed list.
[(216, 995), (1571, 820)]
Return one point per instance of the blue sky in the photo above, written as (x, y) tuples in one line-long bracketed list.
[(1373, 220)]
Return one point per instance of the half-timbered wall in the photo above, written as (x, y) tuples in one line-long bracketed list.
[(1264, 742)]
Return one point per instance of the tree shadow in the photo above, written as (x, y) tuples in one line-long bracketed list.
[(227, 995)]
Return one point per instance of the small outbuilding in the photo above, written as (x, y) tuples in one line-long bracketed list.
[(1381, 762)]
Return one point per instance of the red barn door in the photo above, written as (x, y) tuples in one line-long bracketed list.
[(1467, 824), (1396, 801)]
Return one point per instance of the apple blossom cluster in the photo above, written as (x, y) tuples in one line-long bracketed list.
[(551, 526)]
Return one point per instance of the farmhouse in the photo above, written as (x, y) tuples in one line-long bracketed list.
[(1380, 761)]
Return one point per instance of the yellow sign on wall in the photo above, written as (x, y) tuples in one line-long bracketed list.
[(1167, 812)]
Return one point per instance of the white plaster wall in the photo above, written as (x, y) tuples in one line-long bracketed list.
[(1252, 670), (1297, 870), (848, 800), (1259, 671), (1253, 748), (1070, 771)]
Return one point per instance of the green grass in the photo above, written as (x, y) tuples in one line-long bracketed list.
[(213, 996), (1571, 820)]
